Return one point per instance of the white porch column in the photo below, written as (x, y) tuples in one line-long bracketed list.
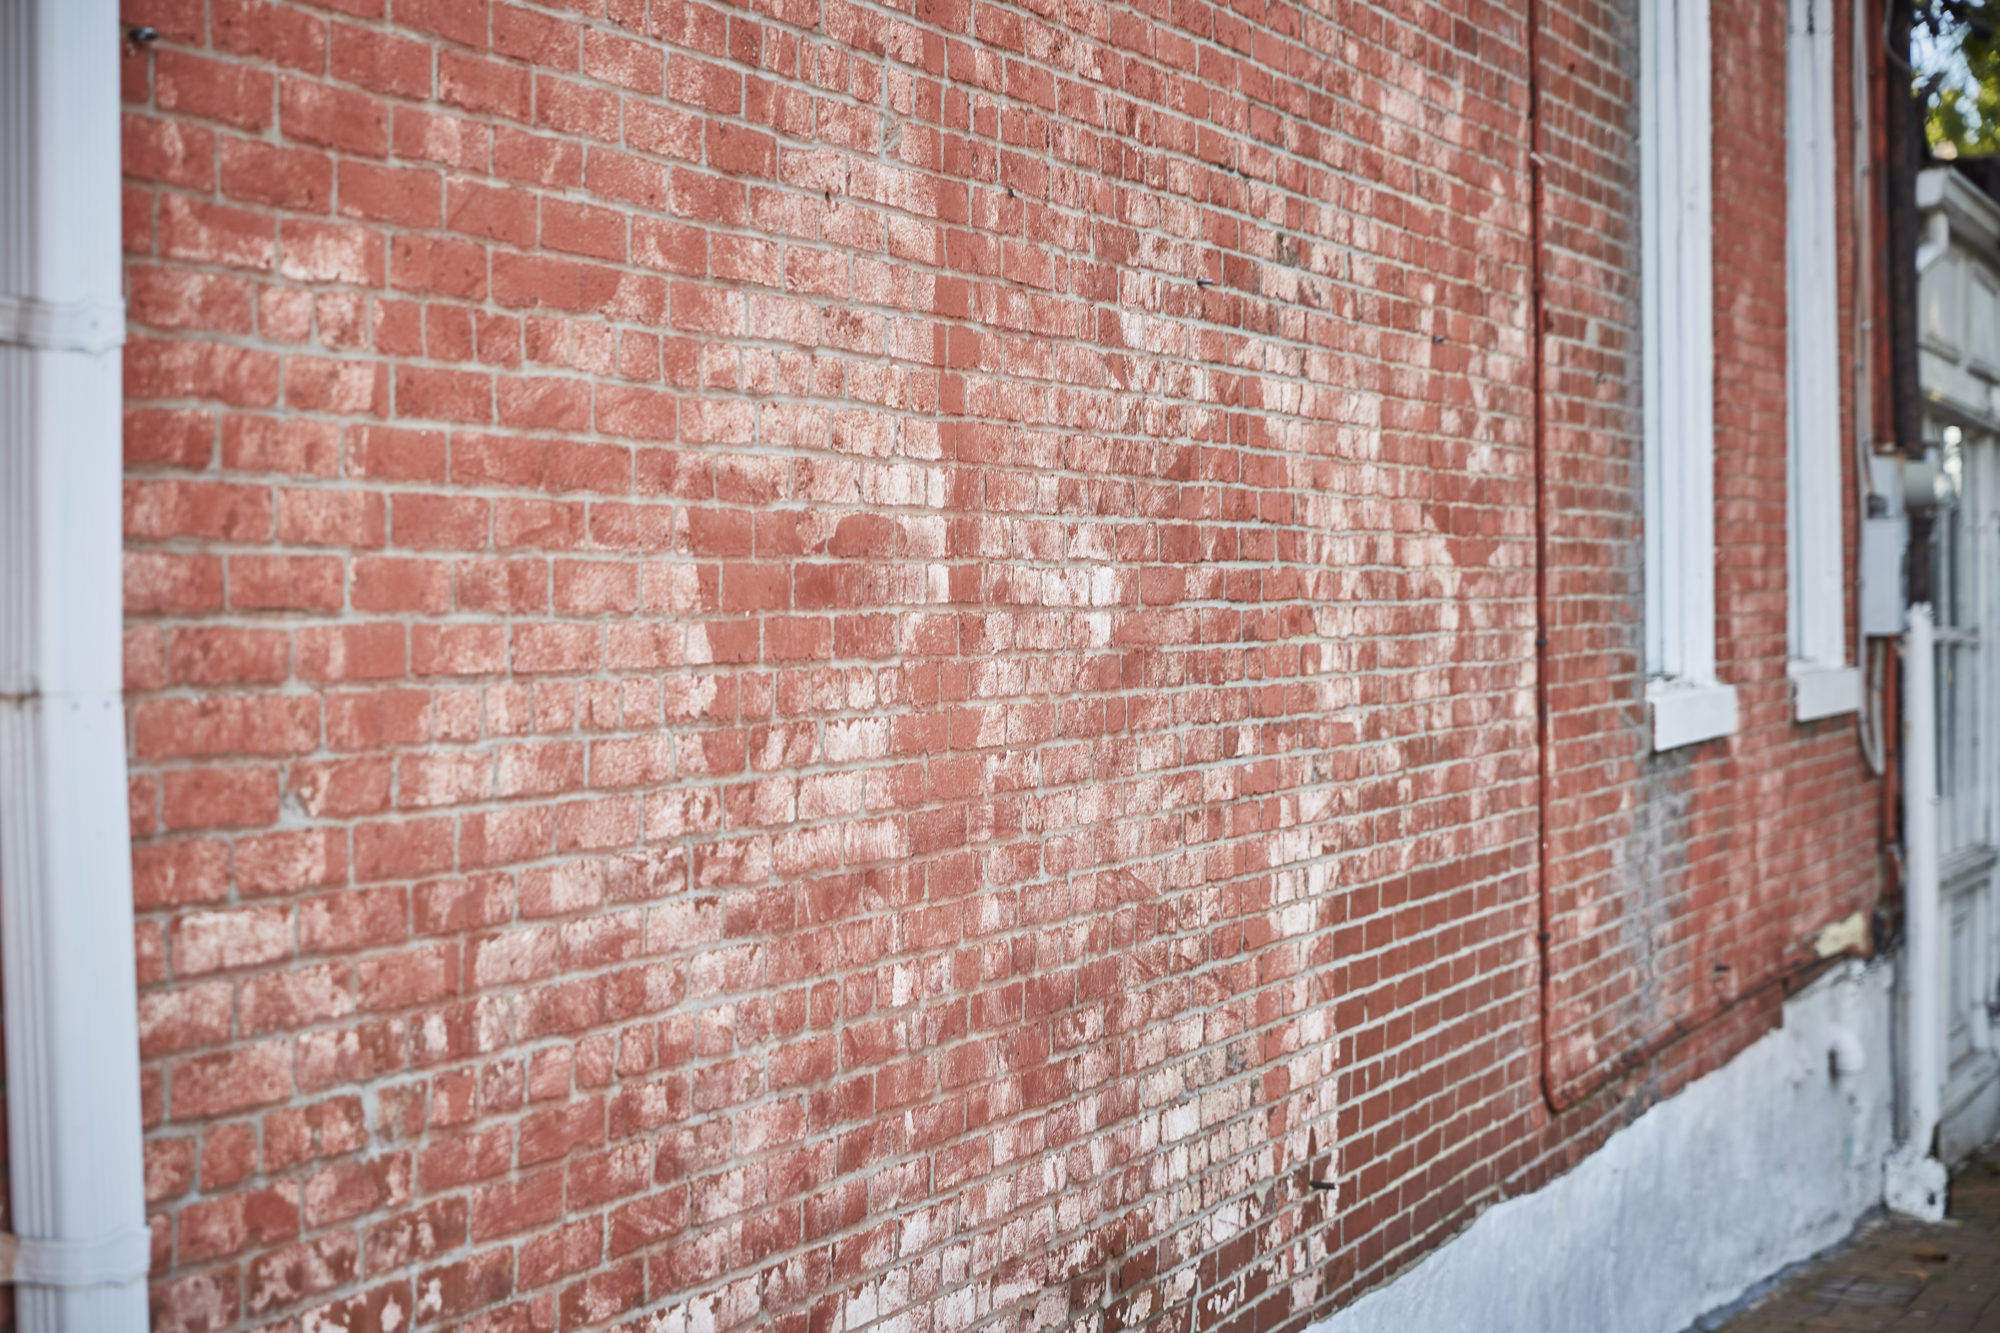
[(68, 1001), (1914, 1180)]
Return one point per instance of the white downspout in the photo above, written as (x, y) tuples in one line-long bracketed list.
[(1914, 1182), (67, 992)]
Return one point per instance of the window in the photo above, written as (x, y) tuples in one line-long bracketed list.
[(1964, 590), (1823, 684), (1685, 700), (1965, 594)]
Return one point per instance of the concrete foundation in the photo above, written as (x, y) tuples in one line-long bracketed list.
[(1761, 1164)]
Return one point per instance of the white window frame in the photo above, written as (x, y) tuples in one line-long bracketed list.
[(1823, 683), (1686, 702)]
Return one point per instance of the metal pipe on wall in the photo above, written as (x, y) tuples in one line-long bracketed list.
[(70, 1004), (1914, 1179), (1868, 718), (1921, 910)]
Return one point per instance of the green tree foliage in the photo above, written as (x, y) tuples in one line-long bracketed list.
[(1955, 61)]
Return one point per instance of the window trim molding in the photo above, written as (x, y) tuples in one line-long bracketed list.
[(1685, 713), (1823, 691), (1823, 683), (1685, 700)]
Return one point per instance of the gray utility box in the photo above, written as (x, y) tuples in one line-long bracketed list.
[(1885, 536)]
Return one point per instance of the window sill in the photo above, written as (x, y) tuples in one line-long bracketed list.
[(1823, 691), (1684, 713)]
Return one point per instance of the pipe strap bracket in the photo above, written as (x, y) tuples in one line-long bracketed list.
[(61, 326), (113, 1257)]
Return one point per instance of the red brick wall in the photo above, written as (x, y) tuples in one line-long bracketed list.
[(812, 664)]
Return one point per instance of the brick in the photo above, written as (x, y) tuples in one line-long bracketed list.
[(270, 33), (377, 651), (548, 525), (627, 179), (434, 522), (214, 234), (415, 977), (322, 384), (502, 586), (478, 85), (540, 770), (510, 1207), (540, 39), (499, 837), (572, 1248), (344, 787), (704, 84), (401, 849), (225, 724), (330, 518), (490, 213), (585, 588), (389, 584), (354, 919), (623, 61), (365, 720), (447, 395), (437, 266), (398, 327), (640, 414), (169, 438), (174, 300), (173, 874), (299, 448), (158, 583), (463, 21), (727, 657), (741, 152), (169, 1168), (313, 113), (228, 1154), (382, 62), (669, 247), (220, 798), (299, 179), (211, 941), (285, 583), (300, 998), (331, 1057), (536, 159), (238, 95), (405, 197), (452, 141), (223, 655), (168, 151), (583, 229), (382, 1307), (459, 650), (570, 107), (299, 1134), (332, 252), (198, 1302), (284, 316), (416, 1235), (448, 332), (545, 402), (556, 647), (283, 863)]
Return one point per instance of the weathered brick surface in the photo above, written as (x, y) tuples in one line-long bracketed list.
[(821, 664)]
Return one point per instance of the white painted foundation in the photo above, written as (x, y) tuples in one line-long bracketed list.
[(1761, 1164)]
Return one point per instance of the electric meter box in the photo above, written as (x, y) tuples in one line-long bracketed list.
[(1885, 537)]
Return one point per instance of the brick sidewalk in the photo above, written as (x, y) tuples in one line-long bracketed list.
[(1901, 1275)]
